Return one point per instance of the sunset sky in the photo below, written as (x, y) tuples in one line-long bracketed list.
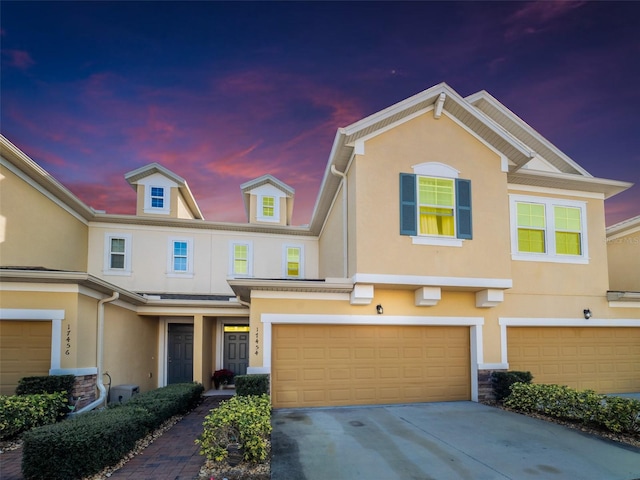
[(224, 92)]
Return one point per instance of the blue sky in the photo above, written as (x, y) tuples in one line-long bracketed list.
[(223, 92)]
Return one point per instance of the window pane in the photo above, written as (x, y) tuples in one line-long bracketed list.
[(157, 197), (180, 264), (531, 240), (437, 221), (117, 260), (117, 245), (293, 262), (268, 204), (567, 218), (435, 191), (531, 215), (568, 243), (240, 259), (180, 248)]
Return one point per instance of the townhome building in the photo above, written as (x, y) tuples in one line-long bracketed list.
[(449, 240)]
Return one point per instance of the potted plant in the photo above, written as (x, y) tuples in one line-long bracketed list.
[(222, 377)]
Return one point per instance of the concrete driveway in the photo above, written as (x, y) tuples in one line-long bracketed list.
[(443, 441)]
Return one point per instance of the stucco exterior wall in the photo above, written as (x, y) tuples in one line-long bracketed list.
[(150, 252), (624, 261), (331, 242), (130, 347), (543, 277), (381, 248), (35, 231)]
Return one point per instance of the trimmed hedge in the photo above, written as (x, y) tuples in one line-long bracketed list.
[(617, 414), (255, 384), (45, 384), (89, 442), (242, 419), (502, 381), (20, 413), (83, 445)]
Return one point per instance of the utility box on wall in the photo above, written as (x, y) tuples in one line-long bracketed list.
[(122, 393)]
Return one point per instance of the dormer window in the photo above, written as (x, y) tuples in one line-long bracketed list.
[(157, 197), (268, 210)]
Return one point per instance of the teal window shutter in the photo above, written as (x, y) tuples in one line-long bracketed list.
[(408, 209), (463, 208)]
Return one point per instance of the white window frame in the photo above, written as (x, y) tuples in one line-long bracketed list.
[(148, 199), (435, 170), (232, 258), (549, 230), (276, 209), (285, 261), (170, 258), (126, 270)]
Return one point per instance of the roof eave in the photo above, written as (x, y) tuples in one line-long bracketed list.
[(79, 278), (243, 287), (567, 181)]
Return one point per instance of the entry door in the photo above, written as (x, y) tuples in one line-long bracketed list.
[(236, 351), (180, 353)]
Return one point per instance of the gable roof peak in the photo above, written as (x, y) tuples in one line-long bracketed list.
[(139, 173), (267, 179)]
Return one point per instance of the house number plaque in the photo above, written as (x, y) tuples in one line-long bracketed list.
[(257, 342), (68, 340)]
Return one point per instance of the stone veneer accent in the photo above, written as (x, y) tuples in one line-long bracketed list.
[(84, 390), (485, 389)]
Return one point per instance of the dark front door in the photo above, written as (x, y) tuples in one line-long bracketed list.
[(180, 353), (236, 352)]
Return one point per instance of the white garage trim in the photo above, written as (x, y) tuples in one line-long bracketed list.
[(55, 316), (475, 323), (505, 322)]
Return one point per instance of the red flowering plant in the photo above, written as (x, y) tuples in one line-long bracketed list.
[(222, 377)]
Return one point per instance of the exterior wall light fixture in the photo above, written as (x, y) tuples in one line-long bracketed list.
[(587, 314), (379, 309)]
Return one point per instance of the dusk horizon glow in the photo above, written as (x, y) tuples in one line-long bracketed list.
[(221, 93)]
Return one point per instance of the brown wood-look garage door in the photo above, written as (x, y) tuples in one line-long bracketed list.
[(604, 359), (25, 350), (331, 365)]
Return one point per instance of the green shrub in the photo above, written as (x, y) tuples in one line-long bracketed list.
[(164, 403), (256, 384), (45, 384), (621, 415), (90, 442), (502, 381), (83, 445), (246, 420), (20, 413)]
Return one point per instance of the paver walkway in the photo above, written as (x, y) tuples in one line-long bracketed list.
[(173, 456)]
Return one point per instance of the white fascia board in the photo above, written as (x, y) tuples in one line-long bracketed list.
[(313, 319), (420, 280), (568, 322), (134, 176), (554, 191), (626, 227)]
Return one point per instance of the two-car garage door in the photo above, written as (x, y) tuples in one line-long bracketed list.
[(604, 359), (329, 365)]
